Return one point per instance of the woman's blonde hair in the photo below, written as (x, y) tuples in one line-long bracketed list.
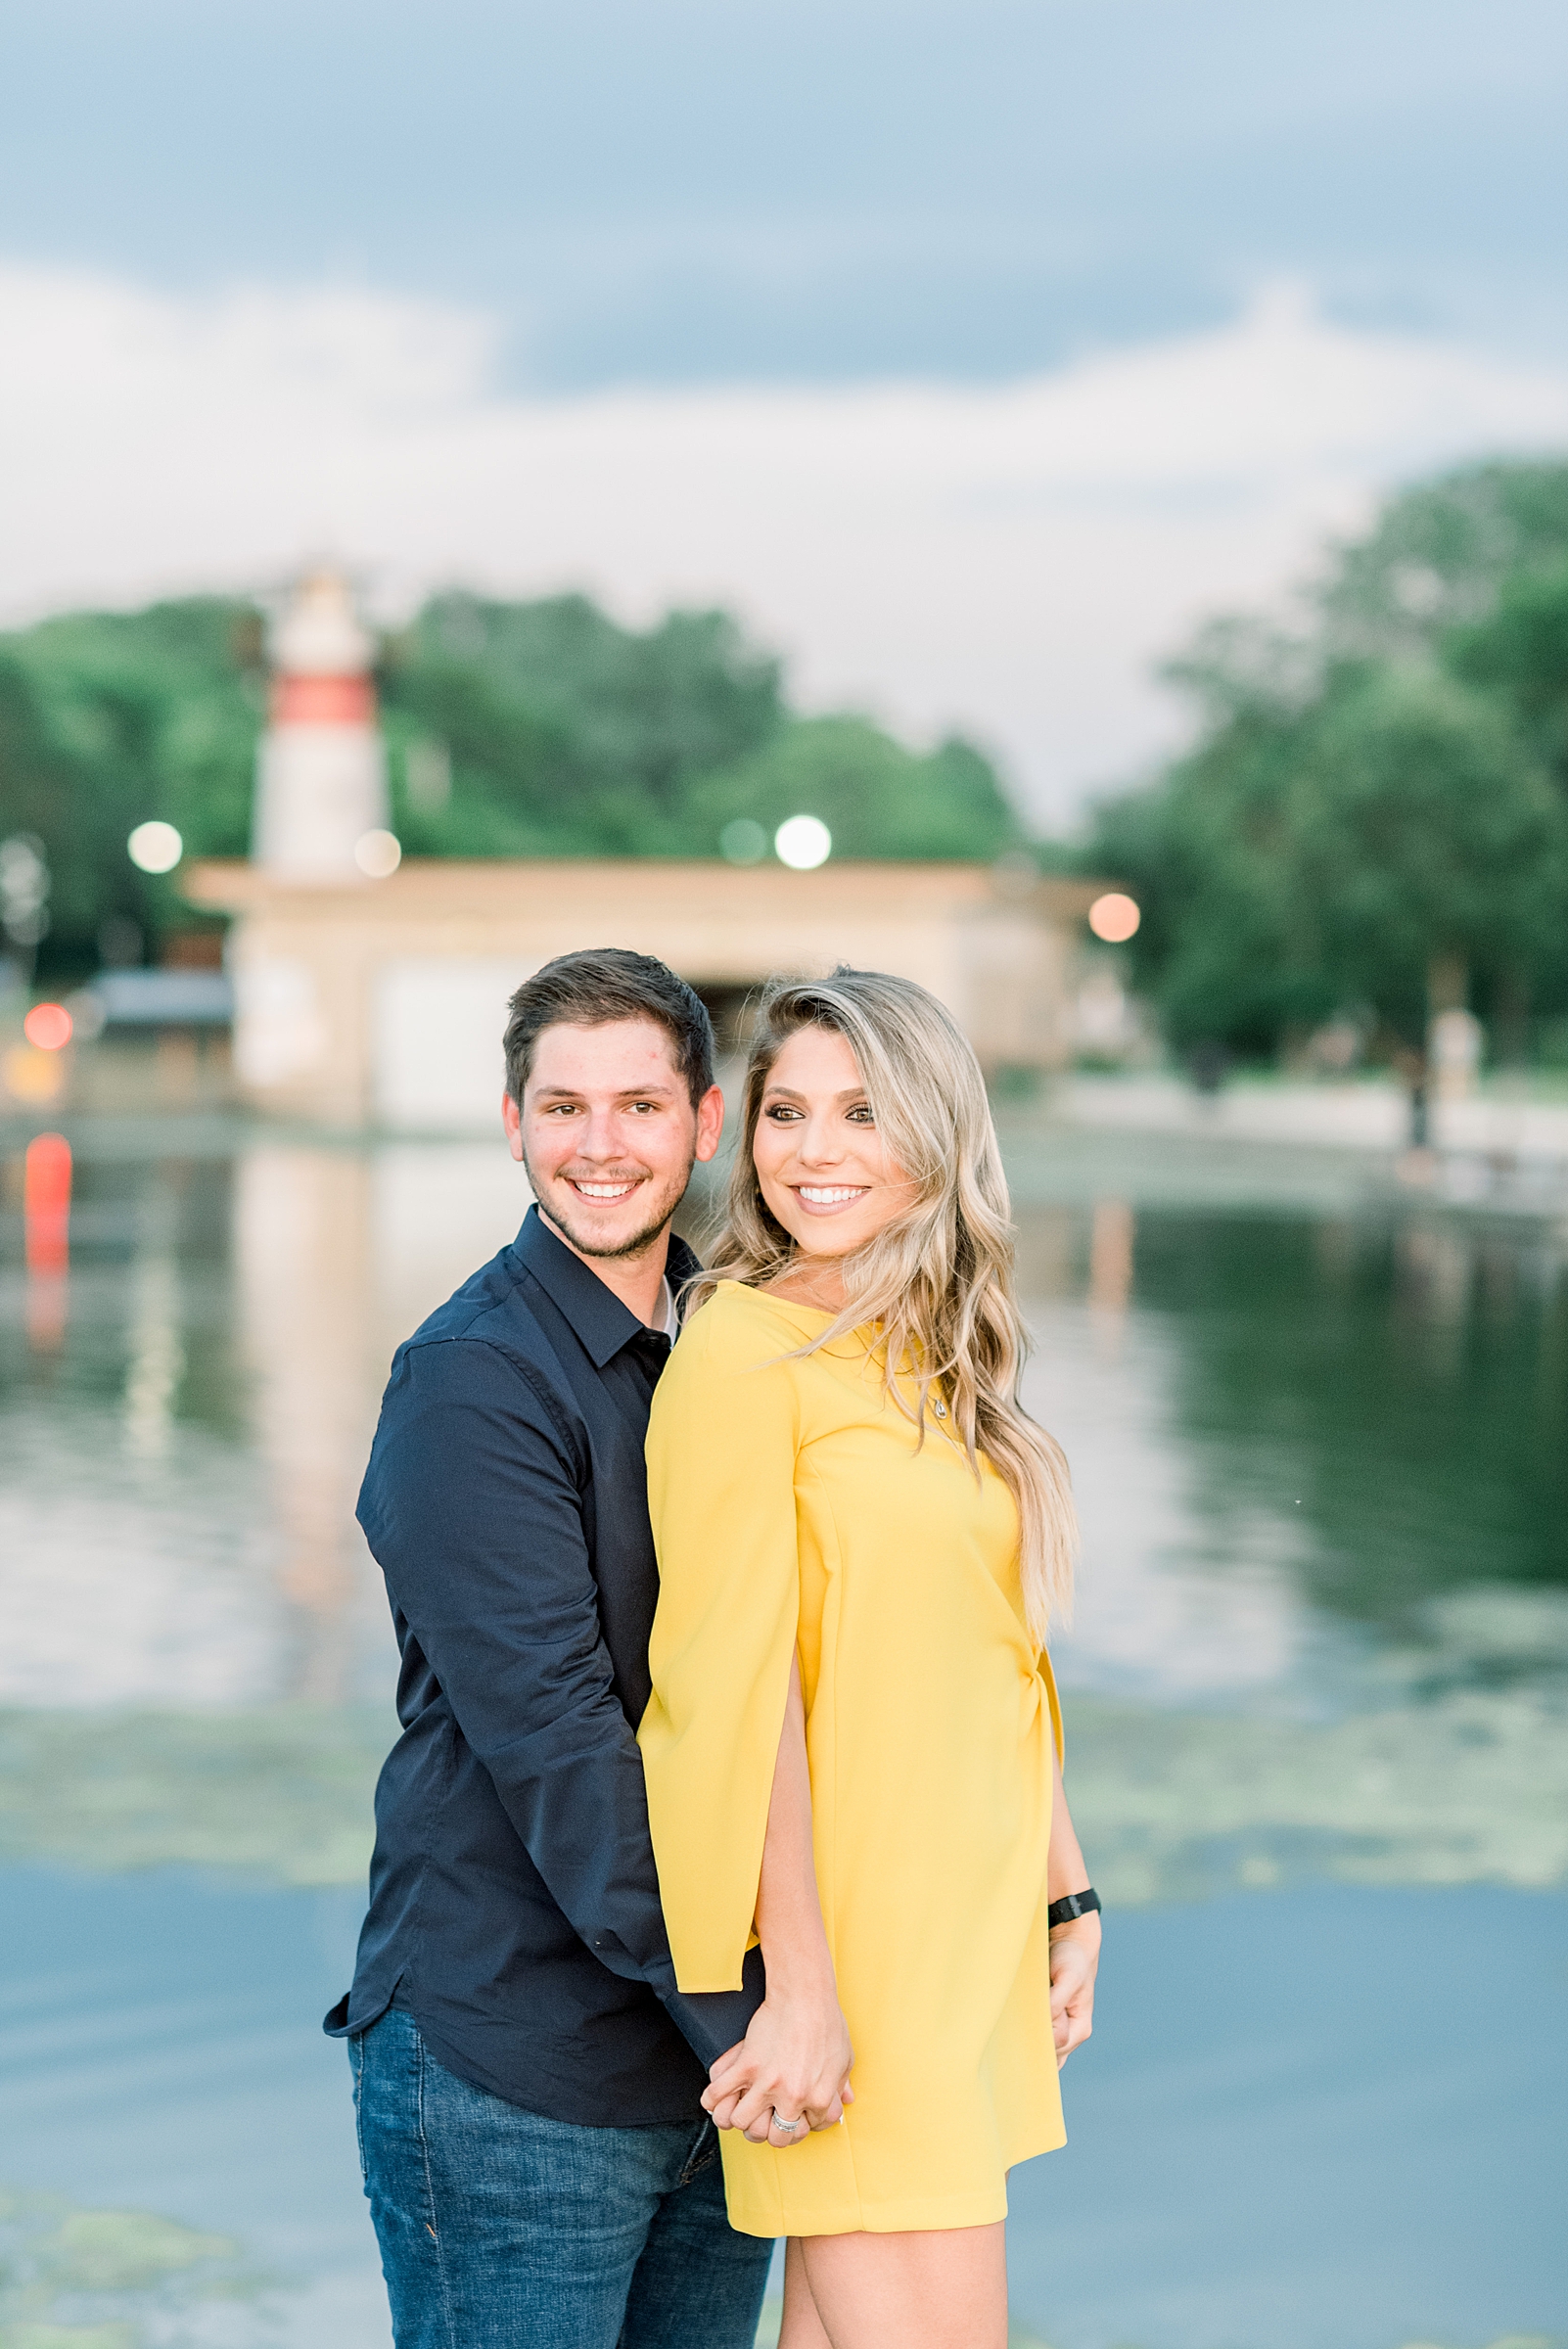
[(939, 1278)]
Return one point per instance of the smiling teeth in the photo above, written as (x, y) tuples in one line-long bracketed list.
[(828, 1198), (602, 1190)]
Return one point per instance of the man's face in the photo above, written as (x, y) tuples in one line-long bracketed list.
[(607, 1133)]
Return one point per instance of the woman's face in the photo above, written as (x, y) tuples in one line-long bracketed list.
[(821, 1165)]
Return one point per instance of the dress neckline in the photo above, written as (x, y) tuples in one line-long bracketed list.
[(814, 1313), (794, 1305)]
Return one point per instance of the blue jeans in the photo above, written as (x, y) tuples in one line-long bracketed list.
[(501, 2230)]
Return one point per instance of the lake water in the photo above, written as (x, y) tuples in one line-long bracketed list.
[(1317, 1717)]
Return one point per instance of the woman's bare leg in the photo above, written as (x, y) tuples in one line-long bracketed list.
[(943, 2289), (802, 2327)]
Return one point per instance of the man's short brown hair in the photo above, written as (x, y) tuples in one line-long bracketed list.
[(599, 984)]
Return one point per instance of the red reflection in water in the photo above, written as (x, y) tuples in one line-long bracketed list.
[(46, 1208)]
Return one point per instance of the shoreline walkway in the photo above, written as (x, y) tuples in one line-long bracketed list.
[(1507, 1128)]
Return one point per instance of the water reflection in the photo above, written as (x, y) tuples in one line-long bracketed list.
[(113, 2266), (1290, 1435), (1401, 1387), (156, 1352), (303, 1284), (46, 1208), (1110, 1265)]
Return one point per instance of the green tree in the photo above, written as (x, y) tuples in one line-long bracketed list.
[(1422, 830), (876, 798), (1384, 791), (1223, 947), (1441, 556), (114, 718), (1519, 656), (162, 708), (567, 734)]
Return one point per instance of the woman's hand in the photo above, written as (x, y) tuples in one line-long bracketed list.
[(1075, 1962), (793, 2060)]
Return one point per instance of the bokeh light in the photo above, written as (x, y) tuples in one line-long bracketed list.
[(743, 841), (803, 842), (30, 1076), (155, 847), (48, 1026), (378, 853), (1114, 917)]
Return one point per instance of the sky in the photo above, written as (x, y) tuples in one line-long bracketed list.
[(973, 353)]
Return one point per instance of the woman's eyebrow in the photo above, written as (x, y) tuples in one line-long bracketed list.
[(787, 1092)]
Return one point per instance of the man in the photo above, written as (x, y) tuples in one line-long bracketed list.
[(527, 2076)]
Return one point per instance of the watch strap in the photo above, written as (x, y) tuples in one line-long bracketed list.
[(1071, 1904)]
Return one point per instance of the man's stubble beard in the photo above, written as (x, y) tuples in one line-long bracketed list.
[(637, 1245)]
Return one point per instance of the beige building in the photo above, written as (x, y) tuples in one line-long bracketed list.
[(363, 1003)]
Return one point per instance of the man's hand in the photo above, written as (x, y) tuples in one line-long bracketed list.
[(1075, 1962), (795, 2059)]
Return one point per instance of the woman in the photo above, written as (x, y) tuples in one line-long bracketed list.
[(861, 1538)]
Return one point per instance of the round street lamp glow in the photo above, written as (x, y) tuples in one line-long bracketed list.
[(378, 853), (1114, 917), (803, 843), (155, 847), (48, 1026)]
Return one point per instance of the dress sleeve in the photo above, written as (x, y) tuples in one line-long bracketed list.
[(722, 1451)]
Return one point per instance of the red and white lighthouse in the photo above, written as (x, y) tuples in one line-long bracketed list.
[(321, 769)]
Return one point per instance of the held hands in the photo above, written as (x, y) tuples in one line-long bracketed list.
[(793, 2060), (1075, 1961)]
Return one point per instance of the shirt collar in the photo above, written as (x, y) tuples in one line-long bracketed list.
[(596, 1313)]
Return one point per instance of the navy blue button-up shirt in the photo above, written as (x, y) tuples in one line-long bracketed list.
[(514, 1904)]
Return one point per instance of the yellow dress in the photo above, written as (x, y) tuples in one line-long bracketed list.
[(792, 1507)]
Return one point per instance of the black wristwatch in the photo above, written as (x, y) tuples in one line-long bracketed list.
[(1071, 1904)]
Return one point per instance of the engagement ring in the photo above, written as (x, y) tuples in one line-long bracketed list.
[(788, 2127)]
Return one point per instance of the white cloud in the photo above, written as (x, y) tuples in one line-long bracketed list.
[(1009, 558)]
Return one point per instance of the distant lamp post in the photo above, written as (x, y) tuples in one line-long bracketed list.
[(24, 897), (803, 843), (1454, 1042), (155, 847), (377, 854), (743, 841), (1114, 918)]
